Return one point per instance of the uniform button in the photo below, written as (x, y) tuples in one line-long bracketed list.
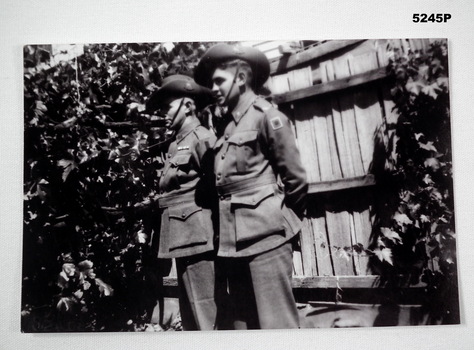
[(226, 136), (183, 215), (240, 142), (218, 176), (222, 198), (223, 156), (237, 114), (169, 155)]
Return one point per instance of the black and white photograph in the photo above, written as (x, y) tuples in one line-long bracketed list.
[(236, 175), (238, 185)]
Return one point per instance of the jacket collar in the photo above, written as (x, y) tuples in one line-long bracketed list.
[(245, 101)]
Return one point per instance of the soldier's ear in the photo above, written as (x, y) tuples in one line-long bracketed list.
[(190, 107), (241, 78)]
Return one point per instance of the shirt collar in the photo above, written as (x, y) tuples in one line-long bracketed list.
[(185, 130), (245, 101)]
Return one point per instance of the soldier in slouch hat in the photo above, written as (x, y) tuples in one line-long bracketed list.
[(261, 187), (186, 231)]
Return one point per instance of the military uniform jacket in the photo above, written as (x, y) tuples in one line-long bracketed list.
[(184, 201), (257, 148)]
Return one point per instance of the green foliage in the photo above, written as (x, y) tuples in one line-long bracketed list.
[(91, 162), (418, 235)]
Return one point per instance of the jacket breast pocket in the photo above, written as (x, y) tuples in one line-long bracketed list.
[(244, 144), (257, 213), (182, 161), (189, 225)]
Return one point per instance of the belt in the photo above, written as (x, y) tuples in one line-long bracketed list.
[(168, 201), (235, 187)]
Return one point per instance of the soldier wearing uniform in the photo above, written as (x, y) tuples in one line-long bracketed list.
[(185, 206), (261, 186)]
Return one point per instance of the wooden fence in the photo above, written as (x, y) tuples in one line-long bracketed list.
[(338, 99)]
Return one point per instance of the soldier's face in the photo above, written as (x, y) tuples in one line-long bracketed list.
[(223, 86), (174, 114)]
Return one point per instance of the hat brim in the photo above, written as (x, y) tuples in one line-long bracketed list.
[(223, 52), (175, 90)]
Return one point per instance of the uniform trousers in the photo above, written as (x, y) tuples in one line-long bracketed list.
[(260, 292), (197, 290)]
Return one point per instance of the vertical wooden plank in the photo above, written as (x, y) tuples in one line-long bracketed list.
[(341, 67), (279, 84), (307, 249), (327, 73), (367, 109), (346, 102), (313, 148), (342, 148), (331, 140), (342, 70), (292, 82), (297, 263), (365, 126), (308, 148), (323, 68), (355, 256), (322, 246), (363, 230), (339, 230), (173, 272), (300, 78), (349, 127), (324, 155)]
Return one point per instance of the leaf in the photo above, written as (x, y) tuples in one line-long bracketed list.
[(418, 136), (32, 215), (391, 235), (402, 219), (384, 254), (69, 269), (414, 86), (67, 123), (68, 166), (41, 108), (433, 164), (66, 304), (427, 180), (423, 70), (443, 81), (432, 90), (427, 146), (104, 288), (424, 218), (141, 237), (63, 280), (78, 294)]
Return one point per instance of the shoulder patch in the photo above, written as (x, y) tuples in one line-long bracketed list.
[(276, 123)]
